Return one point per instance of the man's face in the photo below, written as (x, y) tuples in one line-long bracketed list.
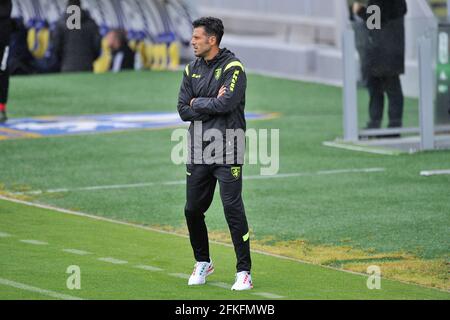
[(201, 42), (113, 40)]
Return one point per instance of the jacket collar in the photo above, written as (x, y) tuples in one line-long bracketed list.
[(219, 56)]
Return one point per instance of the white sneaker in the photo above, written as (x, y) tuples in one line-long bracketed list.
[(201, 271), (243, 281)]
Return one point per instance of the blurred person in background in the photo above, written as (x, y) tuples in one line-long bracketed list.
[(384, 60), (21, 61), (76, 50), (122, 55), (361, 35), (5, 33)]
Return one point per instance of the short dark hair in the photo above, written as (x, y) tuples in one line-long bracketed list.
[(213, 27)]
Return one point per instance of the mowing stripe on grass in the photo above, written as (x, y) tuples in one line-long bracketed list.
[(149, 268), (35, 242), (76, 251), (118, 222), (178, 275), (112, 260), (94, 217), (44, 292), (4, 235), (153, 269), (182, 182)]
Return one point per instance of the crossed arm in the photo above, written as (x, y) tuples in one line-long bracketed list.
[(222, 92), (184, 98), (193, 108)]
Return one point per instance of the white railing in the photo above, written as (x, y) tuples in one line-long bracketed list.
[(290, 20), (311, 8)]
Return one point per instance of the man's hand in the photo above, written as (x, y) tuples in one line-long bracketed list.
[(222, 91), (357, 7)]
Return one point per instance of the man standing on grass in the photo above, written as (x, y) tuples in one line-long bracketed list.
[(212, 97), (5, 32), (384, 61)]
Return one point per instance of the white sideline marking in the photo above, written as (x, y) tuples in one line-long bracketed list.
[(180, 275), (317, 173), (360, 148), (338, 171), (229, 245), (35, 242), (430, 173), (149, 268), (76, 251), (112, 260), (267, 295), (4, 235), (118, 222), (222, 285), (44, 292), (182, 182)]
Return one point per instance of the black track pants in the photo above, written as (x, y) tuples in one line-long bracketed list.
[(4, 73), (201, 183), (378, 86)]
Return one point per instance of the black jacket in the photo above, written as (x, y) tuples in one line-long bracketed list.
[(202, 80), (127, 58), (384, 49), (5, 9), (76, 50), (21, 61), (5, 22)]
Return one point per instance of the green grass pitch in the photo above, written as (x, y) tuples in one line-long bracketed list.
[(44, 266), (394, 216)]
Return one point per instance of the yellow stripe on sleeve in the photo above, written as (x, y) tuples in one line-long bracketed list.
[(234, 64)]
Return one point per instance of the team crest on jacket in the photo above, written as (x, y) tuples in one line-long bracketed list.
[(218, 73), (236, 172)]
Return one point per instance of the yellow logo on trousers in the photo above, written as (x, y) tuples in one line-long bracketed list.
[(236, 172)]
